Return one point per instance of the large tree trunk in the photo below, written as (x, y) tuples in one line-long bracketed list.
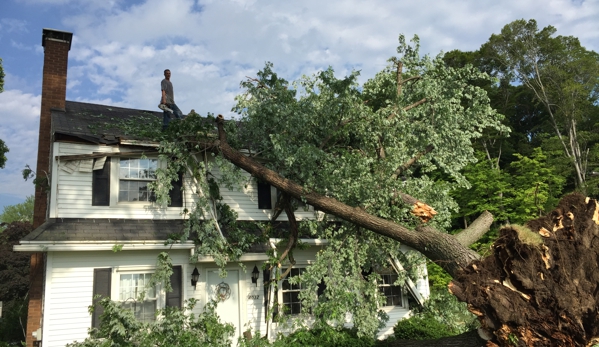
[(540, 287)]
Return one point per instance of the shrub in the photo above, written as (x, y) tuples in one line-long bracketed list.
[(324, 337), (421, 328), (13, 322)]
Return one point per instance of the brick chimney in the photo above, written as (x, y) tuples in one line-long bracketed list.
[(54, 88)]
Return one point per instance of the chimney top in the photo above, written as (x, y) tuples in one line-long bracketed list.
[(56, 35)]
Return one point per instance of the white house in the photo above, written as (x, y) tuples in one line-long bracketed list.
[(99, 232)]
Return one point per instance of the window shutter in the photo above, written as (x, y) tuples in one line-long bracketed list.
[(321, 288), (175, 298), (266, 286), (264, 202), (102, 282), (101, 185), (176, 193)]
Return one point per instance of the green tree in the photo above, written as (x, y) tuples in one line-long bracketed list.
[(14, 283), (3, 148), (1, 77), (535, 187), (563, 77), (22, 212), (3, 151), (362, 153), (365, 154)]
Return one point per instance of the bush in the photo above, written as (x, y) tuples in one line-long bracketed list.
[(325, 337), (421, 328), (13, 322)]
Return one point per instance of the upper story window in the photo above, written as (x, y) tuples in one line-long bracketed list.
[(125, 180), (134, 176)]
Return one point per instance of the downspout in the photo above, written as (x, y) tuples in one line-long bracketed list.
[(270, 292)]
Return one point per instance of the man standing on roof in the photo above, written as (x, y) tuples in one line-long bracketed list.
[(167, 102)]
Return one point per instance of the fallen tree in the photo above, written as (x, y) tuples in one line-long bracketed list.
[(540, 287), (363, 155)]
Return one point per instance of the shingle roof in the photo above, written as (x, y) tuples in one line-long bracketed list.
[(81, 229), (111, 230), (94, 123)]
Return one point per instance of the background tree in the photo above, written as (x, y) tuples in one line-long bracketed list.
[(563, 77), (14, 282), (3, 148), (22, 212)]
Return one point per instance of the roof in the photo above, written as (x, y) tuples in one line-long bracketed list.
[(117, 230), (111, 230), (97, 123)]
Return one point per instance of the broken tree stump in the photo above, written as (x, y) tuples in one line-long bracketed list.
[(540, 286)]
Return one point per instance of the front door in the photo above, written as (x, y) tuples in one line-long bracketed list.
[(226, 292)]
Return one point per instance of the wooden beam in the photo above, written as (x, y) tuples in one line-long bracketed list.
[(101, 155)]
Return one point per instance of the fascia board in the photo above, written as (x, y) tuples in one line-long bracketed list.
[(77, 246), (315, 242)]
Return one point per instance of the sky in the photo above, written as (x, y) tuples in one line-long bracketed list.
[(121, 47)]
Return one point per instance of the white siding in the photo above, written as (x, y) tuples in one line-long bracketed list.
[(69, 291), (254, 296), (72, 194)]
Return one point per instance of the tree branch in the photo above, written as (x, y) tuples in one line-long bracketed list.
[(399, 73), (417, 103), (411, 162), (341, 125), (477, 229)]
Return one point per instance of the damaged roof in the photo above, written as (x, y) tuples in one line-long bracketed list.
[(97, 123)]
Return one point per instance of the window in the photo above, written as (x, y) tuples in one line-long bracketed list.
[(136, 296), (290, 293), (391, 291), (134, 176), (123, 180), (130, 289)]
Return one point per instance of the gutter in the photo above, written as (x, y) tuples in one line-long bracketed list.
[(126, 246), (32, 246)]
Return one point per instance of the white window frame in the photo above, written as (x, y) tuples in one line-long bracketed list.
[(115, 181), (281, 291), (402, 291), (115, 289)]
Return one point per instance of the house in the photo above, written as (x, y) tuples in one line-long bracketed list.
[(97, 230)]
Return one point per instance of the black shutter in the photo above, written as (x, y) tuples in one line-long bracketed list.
[(266, 285), (101, 185), (321, 288), (175, 298), (176, 193), (102, 281), (264, 202)]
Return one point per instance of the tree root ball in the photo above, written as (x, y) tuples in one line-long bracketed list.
[(540, 286)]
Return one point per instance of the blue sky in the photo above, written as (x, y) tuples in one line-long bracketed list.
[(121, 47)]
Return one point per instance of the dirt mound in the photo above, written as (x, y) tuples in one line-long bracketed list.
[(540, 287)]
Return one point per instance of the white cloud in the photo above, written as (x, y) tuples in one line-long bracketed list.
[(120, 48), (11, 25), (19, 130)]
